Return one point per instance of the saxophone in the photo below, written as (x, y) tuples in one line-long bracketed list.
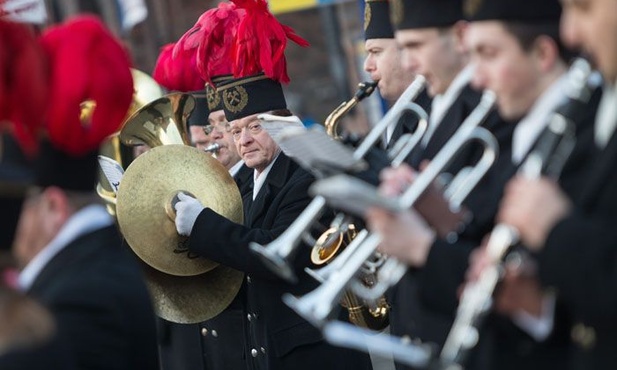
[(372, 315)]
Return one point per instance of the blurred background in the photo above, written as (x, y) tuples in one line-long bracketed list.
[(323, 75)]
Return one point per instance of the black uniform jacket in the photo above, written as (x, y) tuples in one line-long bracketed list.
[(95, 291), (580, 260), (276, 338), (215, 344)]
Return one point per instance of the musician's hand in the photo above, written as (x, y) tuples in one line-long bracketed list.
[(519, 292), (395, 180), (478, 261), (533, 207), (405, 235), (187, 210)]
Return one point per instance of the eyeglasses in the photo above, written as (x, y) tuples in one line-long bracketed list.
[(221, 126), (253, 128)]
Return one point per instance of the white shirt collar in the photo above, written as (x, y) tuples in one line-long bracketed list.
[(606, 117), (441, 103), (529, 128), (260, 178), (235, 168), (86, 220)]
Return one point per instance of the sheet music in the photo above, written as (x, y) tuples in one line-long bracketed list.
[(112, 170), (314, 150), (275, 124)]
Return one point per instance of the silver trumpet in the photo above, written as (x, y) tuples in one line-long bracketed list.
[(547, 158), (317, 305), (466, 180), (279, 252), (212, 148)]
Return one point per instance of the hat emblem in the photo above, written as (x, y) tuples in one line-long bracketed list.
[(212, 97), (396, 12), (235, 99)]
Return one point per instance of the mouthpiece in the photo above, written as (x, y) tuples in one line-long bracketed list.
[(213, 148)]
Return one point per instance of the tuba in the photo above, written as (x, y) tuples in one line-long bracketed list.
[(145, 91)]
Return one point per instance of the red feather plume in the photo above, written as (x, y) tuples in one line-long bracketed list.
[(87, 63), (178, 70), (213, 36), (261, 41), (23, 83)]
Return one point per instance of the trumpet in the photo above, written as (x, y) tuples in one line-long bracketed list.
[(317, 305), (279, 252), (548, 158), (212, 148)]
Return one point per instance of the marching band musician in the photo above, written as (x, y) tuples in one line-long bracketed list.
[(70, 254), (519, 57), (574, 237), (215, 343), (275, 337), (383, 63), (431, 43), (219, 340)]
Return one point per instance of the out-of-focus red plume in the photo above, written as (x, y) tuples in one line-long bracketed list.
[(87, 63), (213, 36), (23, 83), (178, 71), (261, 41)]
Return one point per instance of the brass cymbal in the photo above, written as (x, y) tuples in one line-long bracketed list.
[(192, 299), (144, 209)]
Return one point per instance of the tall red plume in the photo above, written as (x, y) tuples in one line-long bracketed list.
[(261, 41), (23, 83), (87, 63), (213, 36), (178, 71)]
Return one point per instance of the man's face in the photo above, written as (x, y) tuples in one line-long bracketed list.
[(220, 133), (383, 63), (33, 229), (591, 25), (435, 54), (199, 139), (255, 146), (503, 67)]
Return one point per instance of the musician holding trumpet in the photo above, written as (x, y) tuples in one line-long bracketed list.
[(431, 45), (573, 236), (517, 53)]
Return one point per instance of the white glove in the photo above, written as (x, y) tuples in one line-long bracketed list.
[(187, 210)]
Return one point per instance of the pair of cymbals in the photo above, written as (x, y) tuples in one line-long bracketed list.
[(186, 288)]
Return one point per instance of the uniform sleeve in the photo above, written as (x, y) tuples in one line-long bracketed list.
[(216, 238)]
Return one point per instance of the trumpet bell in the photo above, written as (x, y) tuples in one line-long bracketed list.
[(274, 261), (144, 204)]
